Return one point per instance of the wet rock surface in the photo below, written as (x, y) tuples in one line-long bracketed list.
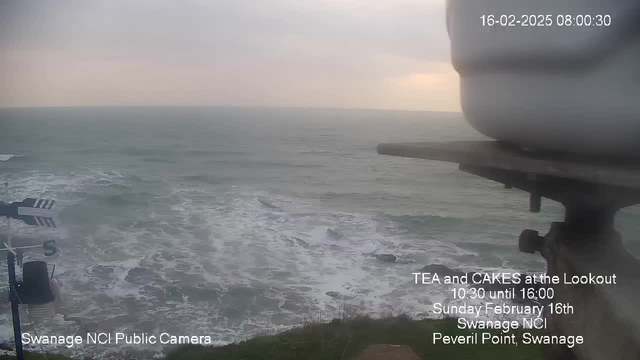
[(334, 235), (441, 270), (389, 258)]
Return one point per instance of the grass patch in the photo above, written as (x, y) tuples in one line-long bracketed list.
[(344, 339)]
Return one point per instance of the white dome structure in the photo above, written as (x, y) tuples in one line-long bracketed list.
[(560, 76)]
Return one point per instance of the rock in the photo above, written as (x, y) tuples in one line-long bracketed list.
[(333, 235), (269, 205), (441, 270), (301, 242), (333, 294), (386, 258), (336, 295), (6, 347)]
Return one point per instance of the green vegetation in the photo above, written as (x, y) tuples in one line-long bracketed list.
[(344, 339)]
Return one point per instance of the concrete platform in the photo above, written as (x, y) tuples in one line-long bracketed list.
[(623, 173)]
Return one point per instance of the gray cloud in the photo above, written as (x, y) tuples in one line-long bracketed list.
[(219, 29), (361, 40)]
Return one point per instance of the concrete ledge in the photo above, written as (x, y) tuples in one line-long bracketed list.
[(492, 154)]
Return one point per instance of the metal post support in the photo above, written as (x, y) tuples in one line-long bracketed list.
[(15, 310)]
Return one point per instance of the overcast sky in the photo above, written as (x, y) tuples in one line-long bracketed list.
[(384, 54)]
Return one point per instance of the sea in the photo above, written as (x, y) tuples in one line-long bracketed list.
[(233, 222)]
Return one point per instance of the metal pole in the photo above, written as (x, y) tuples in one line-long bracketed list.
[(13, 289), (6, 193), (15, 310), (9, 233)]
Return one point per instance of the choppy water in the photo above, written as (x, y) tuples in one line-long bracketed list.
[(213, 221)]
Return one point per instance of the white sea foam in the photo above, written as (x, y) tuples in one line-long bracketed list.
[(222, 263)]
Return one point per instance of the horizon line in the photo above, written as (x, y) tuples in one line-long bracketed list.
[(220, 106)]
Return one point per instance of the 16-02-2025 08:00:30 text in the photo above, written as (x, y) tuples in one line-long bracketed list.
[(565, 20)]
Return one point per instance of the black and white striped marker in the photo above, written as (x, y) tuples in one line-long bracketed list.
[(32, 211)]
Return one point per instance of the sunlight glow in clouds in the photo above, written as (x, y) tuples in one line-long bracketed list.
[(325, 53)]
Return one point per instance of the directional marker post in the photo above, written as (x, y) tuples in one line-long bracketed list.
[(15, 310), (32, 211)]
